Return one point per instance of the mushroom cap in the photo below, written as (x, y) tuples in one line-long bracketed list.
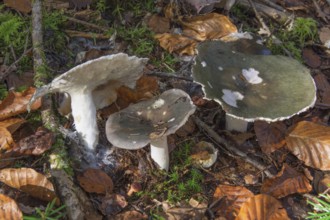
[(135, 126), (91, 74), (251, 86)]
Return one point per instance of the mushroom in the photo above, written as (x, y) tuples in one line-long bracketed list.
[(151, 122), (82, 83), (250, 85)]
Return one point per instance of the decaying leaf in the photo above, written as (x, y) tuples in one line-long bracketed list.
[(310, 142), (16, 102), (35, 144), (19, 5), (271, 136), (159, 24), (29, 181), (207, 27), (9, 209), (200, 4), (113, 204), (193, 210), (312, 59), (323, 88), (176, 43), (261, 207), (95, 181), (324, 34), (7, 127), (230, 198), (287, 181), (129, 215)]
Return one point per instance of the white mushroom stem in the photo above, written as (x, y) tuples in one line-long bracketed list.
[(84, 115), (236, 124), (159, 152)]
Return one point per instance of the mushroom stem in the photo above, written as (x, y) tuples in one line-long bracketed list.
[(236, 124), (159, 152), (84, 115)]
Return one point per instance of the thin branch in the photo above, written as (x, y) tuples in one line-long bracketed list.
[(230, 147), (87, 24), (264, 29)]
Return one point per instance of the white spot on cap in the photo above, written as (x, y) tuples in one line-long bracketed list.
[(158, 103), (231, 97), (251, 75), (203, 64), (172, 119), (220, 68), (327, 44), (139, 113)]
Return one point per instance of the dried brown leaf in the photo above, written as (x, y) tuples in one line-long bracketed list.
[(113, 204), (271, 136), (324, 34), (12, 124), (29, 181), (6, 140), (310, 142), (129, 215), (207, 27), (262, 207), (159, 24), (9, 209), (19, 5), (16, 102), (287, 181), (95, 181), (231, 199), (311, 58), (35, 144), (176, 43)]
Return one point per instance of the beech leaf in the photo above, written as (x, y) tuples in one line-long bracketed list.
[(19, 5), (16, 102), (7, 127), (29, 181), (9, 209), (95, 181), (310, 142), (287, 181), (262, 207)]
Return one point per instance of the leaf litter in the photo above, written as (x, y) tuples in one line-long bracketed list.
[(232, 186)]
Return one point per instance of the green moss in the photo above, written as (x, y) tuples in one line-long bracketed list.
[(59, 158), (3, 91)]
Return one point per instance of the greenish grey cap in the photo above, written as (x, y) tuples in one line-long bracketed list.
[(252, 86)]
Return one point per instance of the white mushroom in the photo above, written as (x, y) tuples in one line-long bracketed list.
[(151, 122), (80, 83)]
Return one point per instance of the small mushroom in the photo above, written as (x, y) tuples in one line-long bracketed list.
[(151, 122), (250, 85), (82, 83)]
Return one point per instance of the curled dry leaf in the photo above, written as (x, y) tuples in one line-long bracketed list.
[(7, 127), (176, 43), (230, 198), (310, 142), (29, 181), (9, 209), (95, 181), (207, 27), (262, 207), (35, 144), (287, 181), (271, 136), (16, 102)]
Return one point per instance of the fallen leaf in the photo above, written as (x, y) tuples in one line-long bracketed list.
[(193, 210), (287, 181), (200, 4), (323, 87), (261, 207), (207, 27), (187, 129), (324, 35), (9, 209), (176, 43), (312, 59), (231, 199), (19, 5), (29, 181), (129, 215), (95, 181), (113, 204), (271, 136), (323, 184), (7, 127), (310, 142), (35, 144), (159, 24), (15, 103)]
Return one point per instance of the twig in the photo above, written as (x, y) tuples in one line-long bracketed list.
[(319, 12), (13, 52), (72, 33), (87, 24), (264, 29), (230, 147)]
